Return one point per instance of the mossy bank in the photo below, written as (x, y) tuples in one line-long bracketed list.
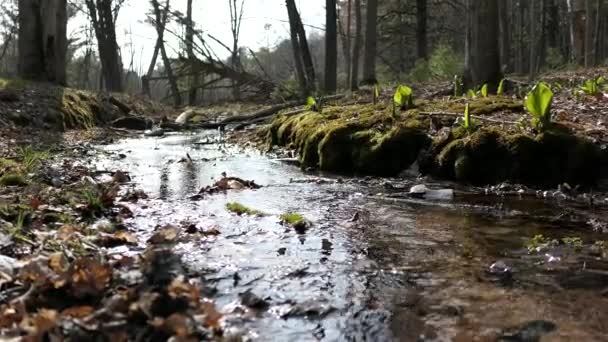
[(373, 140)]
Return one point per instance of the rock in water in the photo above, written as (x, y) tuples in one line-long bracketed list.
[(138, 123), (155, 132), (184, 117), (421, 191)]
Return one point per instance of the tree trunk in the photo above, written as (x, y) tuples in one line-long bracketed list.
[(297, 51), (482, 52), (348, 45), (331, 47), (160, 30), (43, 40), (102, 18), (145, 80), (421, 36), (505, 35), (371, 45), (194, 79), (354, 77), (302, 45), (533, 41), (589, 34), (596, 37)]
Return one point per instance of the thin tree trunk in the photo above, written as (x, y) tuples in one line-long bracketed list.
[(505, 35), (103, 20), (596, 43), (533, 41), (331, 47), (145, 80), (588, 34), (307, 62), (160, 30), (421, 29), (354, 80), (194, 79), (348, 46), (297, 51), (371, 45)]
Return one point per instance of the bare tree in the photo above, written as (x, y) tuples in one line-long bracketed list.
[(302, 54), (236, 18), (195, 78), (160, 24), (482, 55), (421, 34), (354, 80), (371, 43), (103, 15), (331, 47)]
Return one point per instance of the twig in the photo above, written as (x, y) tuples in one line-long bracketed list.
[(482, 118)]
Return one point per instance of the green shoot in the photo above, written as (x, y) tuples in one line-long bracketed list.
[(376, 94), (403, 98), (484, 90), (501, 87), (471, 93), (538, 103), (467, 119)]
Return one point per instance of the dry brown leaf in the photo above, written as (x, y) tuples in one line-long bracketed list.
[(36, 325), (181, 289), (89, 277), (58, 262), (77, 311), (167, 234)]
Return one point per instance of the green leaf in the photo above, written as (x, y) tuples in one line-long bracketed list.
[(403, 97), (471, 93), (484, 90), (600, 80), (467, 118), (311, 103), (501, 87), (538, 103), (376, 94)]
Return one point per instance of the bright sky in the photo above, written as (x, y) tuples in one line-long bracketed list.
[(212, 16)]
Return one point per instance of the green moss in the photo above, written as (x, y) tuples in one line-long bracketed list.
[(491, 156), (478, 106), (12, 83), (13, 180), (292, 219), (352, 139), (240, 209)]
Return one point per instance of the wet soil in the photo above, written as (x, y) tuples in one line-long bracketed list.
[(369, 266)]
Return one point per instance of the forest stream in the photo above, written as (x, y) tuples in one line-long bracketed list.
[(370, 266)]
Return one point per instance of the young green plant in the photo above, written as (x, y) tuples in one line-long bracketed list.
[(467, 124), (538, 103), (376, 94), (403, 98), (484, 90), (501, 87)]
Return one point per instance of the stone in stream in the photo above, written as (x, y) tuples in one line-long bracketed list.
[(184, 117), (251, 300), (155, 132), (137, 123), (421, 191)]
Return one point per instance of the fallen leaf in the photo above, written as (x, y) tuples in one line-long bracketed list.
[(166, 234), (77, 311)]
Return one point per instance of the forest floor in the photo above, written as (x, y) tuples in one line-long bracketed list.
[(72, 264)]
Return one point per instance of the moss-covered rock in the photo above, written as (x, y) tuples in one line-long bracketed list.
[(490, 156), (353, 139)]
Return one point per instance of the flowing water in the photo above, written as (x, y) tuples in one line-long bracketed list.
[(370, 267)]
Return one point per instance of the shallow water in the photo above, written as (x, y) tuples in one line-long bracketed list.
[(405, 270)]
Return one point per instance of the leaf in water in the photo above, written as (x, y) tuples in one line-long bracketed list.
[(181, 289), (38, 324)]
